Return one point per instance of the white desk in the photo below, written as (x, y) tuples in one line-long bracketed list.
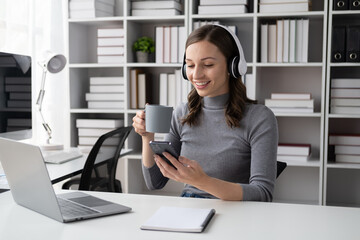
[(59, 172), (233, 220)]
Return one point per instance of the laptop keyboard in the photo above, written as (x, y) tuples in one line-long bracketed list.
[(70, 209)]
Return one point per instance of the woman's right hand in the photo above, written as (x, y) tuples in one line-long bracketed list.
[(139, 124)]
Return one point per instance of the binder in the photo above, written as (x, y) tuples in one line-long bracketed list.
[(353, 44), (341, 4), (354, 4), (338, 44)]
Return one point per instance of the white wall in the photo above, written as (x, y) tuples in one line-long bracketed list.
[(30, 27)]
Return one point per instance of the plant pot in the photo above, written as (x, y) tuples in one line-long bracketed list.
[(142, 56)]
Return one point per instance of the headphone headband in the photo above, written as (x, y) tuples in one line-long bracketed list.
[(237, 65)]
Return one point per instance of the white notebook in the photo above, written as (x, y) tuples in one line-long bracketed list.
[(177, 219)]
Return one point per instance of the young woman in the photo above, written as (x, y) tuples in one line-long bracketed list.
[(227, 143)]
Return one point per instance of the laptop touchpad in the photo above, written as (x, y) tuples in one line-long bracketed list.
[(90, 201)]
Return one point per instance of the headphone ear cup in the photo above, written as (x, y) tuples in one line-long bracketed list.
[(234, 67), (183, 72)]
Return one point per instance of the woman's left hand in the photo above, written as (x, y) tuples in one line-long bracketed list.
[(187, 171)]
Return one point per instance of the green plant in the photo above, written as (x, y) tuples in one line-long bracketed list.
[(144, 44)]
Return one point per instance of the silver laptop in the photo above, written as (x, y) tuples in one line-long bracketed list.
[(31, 187)]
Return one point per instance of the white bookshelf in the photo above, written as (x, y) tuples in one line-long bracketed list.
[(309, 182)]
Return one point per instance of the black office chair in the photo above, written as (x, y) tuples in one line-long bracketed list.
[(100, 166), (280, 168)]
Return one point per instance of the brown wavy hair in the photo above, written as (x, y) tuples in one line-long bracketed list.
[(237, 90)]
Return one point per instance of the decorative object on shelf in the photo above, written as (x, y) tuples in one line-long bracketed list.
[(53, 63), (143, 46)]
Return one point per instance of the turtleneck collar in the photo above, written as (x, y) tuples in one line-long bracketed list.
[(217, 102)]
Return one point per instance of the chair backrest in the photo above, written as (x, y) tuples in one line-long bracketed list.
[(280, 168), (100, 166)]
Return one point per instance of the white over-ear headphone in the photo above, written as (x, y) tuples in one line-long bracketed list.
[(237, 65)]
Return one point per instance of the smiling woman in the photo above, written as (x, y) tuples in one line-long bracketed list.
[(226, 142)]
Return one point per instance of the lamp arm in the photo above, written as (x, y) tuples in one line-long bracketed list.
[(39, 103)]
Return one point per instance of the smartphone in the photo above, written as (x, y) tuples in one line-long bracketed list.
[(159, 147)]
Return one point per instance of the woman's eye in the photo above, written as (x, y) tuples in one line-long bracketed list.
[(209, 65), (190, 66)]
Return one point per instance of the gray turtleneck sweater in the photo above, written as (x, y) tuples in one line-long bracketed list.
[(245, 155)]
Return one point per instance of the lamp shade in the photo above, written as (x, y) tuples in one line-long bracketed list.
[(53, 63)]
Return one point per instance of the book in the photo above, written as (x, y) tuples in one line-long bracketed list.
[(18, 80), (223, 2), (19, 96), (345, 83), (294, 149), (178, 84), (279, 40), (174, 32), (281, 1), (105, 96), (264, 43), (106, 104), (286, 40), (347, 158), (134, 88), (109, 2), (272, 43), (171, 90), (107, 80), (286, 158), (250, 84), (107, 88), (110, 41), (354, 5), (291, 110), (179, 219), (77, 14), (222, 9), (345, 102), (292, 41), (111, 59), (155, 12), (344, 149), (298, 96), (305, 41), (91, 5), (167, 44), (341, 5), (284, 7), (110, 32), (110, 50), (338, 44), (352, 43), (345, 109), (92, 132), (18, 88), (99, 123), (345, 92), (344, 139), (299, 39), (181, 43), (18, 104), (170, 4), (307, 103), (159, 44), (141, 90)]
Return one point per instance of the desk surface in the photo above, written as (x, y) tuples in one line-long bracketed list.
[(233, 220)]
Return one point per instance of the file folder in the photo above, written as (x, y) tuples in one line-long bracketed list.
[(338, 44), (341, 5), (354, 4), (353, 44)]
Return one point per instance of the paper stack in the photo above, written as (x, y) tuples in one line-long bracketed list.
[(346, 148), (290, 103), (110, 47), (106, 93), (345, 96), (223, 6), (91, 8), (293, 152), (156, 8)]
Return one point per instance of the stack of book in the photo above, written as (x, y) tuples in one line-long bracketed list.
[(345, 147), (286, 41), (290, 103), (173, 89), (170, 44), (16, 124), (19, 92), (91, 8), (345, 96), (198, 24), (223, 6), (106, 93), (140, 89), (110, 47), (156, 8), (89, 130), (293, 152), (277, 6)]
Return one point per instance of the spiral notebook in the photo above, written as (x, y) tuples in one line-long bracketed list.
[(178, 219)]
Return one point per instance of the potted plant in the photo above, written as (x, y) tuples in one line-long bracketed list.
[(143, 46)]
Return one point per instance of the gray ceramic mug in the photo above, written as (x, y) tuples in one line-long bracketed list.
[(158, 118)]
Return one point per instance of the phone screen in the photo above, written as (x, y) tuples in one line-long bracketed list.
[(159, 147)]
